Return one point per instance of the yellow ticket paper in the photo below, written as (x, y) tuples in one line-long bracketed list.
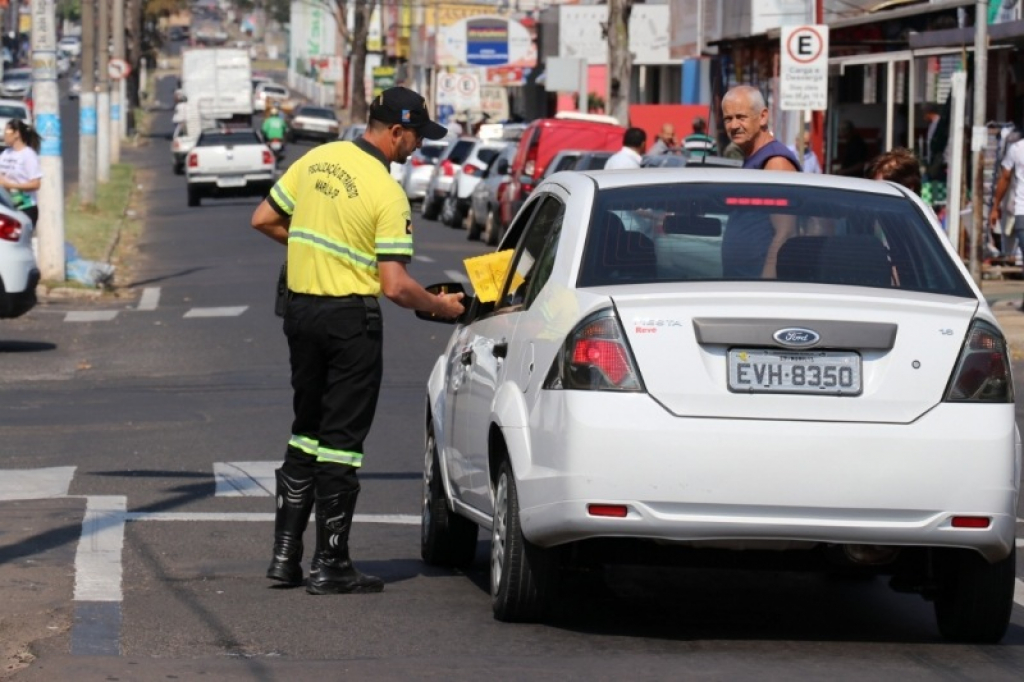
[(487, 273)]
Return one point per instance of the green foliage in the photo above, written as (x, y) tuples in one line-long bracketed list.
[(69, 9)]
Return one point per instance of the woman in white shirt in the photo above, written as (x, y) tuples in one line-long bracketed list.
[(20, 170)]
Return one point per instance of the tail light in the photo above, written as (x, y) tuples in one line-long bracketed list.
[(193, 160), (595, 357), (268, 157), (448, 168), (10, 229), (526, 186), (470, 169), (417, 161), (982, 372)]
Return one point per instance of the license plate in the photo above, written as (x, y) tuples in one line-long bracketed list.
[(231, 182), (783, 371)]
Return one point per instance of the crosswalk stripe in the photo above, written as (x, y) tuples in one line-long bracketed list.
[(90, 315), (456, 276), (423, 259), (35, 484), (98, 557), (227, 311), (150, 299)]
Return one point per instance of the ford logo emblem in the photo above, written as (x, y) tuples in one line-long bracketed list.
[(796, 337)]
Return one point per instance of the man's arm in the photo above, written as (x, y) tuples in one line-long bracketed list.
[(1001, 187), (270, 222), (784, 225), (403, 290)]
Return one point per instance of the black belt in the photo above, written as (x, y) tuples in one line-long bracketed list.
[(353, 300)]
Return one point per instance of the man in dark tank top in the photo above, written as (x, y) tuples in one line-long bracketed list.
[(752, 239)]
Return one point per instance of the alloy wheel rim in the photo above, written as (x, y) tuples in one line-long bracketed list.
[(499, 536)]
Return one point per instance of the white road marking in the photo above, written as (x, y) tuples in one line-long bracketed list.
[(262, 517), (150, 299), (217, 312), (456, 276), (244, 479), (35, 484), (90, 316), (423, 259), (98, 559)]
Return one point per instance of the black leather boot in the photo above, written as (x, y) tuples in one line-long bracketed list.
[(332, 571), (294, 502)]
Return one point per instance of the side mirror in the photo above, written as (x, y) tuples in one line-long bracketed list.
[(502, 168), (468, 302)]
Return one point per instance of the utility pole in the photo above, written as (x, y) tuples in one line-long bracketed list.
[(117, 98), (87, 109), (979, 134), (47, 119), (103, 93)]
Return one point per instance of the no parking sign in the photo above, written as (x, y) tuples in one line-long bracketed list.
[(461, 91)]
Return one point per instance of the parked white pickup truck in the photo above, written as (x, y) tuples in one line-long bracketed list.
[(229, 162)]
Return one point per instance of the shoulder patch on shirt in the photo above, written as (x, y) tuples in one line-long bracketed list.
[(408, 226)]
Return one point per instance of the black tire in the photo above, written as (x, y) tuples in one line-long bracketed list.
[(492, 228), (179, 167), (446, 539), (473, 228), (429, 206), (449, 211), (975, 598), (522, 575), (194, 197)]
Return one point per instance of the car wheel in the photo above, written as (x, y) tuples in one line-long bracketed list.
[(194, 197), (448, 210), (179, 167), (521, 574), (492, 228), (446, 539), (471, 226), (975, 598), (429, 207)]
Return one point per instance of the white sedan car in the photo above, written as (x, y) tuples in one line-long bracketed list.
[(688, 361), (19, 274)]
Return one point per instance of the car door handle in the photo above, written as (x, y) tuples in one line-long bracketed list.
[(467, 356), (500, 350)]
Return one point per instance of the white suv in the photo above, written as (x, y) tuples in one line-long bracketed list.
[(18, 272)]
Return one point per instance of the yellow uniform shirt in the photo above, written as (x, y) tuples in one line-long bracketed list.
[(347, 214)]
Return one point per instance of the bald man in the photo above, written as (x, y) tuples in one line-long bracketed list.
[(753, 238)]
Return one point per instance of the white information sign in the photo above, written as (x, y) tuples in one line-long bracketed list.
[(803, 69)]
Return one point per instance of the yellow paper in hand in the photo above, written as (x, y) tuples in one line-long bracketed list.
[(487, 273)]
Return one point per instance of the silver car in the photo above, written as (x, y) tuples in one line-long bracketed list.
[(443, 174), (416, 171)]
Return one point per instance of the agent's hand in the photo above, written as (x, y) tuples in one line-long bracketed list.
[(993, 217), (450, 306)]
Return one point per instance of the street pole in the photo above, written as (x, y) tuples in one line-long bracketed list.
[(117, 95), (103, 93), (50, 229), (979, 135), (87, 110)]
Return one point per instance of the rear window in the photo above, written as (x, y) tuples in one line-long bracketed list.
[(592, 162), (12, 112), (701, 232), (317, 112), (460, 151), (228, 139), (432, 151), (488, 155)]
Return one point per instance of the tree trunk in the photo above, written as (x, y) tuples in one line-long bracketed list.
[(360, 32), (620, 59)]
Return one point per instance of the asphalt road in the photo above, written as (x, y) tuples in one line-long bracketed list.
[(137, 401)]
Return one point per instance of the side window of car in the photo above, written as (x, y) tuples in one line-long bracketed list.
[(520, 285)]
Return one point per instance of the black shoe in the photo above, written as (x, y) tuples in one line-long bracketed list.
[(294, 503), (332, 571)]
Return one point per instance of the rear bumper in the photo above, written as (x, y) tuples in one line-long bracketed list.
[(17, 303), (691, 481)]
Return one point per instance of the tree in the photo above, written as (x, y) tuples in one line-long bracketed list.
[(357, 39), (620, 59)]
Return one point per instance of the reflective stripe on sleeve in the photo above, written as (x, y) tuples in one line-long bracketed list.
[(395, 247), (353, 459), (283, 199), (304, 443), (318, 241)]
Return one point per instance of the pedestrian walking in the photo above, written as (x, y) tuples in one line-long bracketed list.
[(21, 174), (348, 229), (1011, 169), (752, 239), (633, 142), (699, 144)]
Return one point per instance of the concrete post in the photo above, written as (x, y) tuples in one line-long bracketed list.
[(87, 110), (50, 230), (979, 134), (117, 114), (103, 92)]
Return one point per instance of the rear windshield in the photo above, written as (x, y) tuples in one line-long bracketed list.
[(699, 232), (488, 155), (432, 151), (592, 162), (460, 151), (317, 112), (228, 139), (12, 112)]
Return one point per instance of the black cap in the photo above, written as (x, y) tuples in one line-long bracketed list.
[(408, 109)]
